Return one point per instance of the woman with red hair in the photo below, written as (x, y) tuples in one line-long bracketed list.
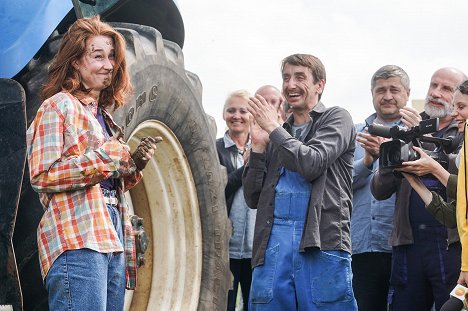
[(81, 167)]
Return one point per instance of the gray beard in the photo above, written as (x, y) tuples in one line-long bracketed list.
[(435, 112)]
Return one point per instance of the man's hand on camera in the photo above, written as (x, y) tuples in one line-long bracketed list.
[(371, 145), (410, 116), (145, 151)]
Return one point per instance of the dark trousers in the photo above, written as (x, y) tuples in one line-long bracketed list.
[(425, 272), (242, 272), (371, 278)]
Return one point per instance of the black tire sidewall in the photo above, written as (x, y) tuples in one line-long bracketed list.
[(164, 92)]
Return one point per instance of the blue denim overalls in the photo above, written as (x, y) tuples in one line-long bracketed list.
[(293, 280)]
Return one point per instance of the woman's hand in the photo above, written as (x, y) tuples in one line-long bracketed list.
[(426, 165), (145, 151), (463, 278), (423, 166)]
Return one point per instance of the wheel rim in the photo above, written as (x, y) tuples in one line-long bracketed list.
[(166, 199)]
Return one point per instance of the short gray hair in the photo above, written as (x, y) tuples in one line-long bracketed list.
[(390, 71)]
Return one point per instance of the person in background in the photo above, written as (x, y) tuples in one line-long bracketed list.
[(426, 255), (274, 97), (371, 220), (81, 168), (286, 110), (299, 178), (454, 210), (233, 154)]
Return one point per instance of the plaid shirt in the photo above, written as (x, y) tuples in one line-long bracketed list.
[(68, 157)]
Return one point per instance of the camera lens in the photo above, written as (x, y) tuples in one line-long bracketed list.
[(394, 155), (390, 153)]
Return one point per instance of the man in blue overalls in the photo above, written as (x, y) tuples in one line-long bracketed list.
[(299, 178)]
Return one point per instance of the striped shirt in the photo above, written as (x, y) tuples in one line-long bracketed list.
[(68, 157)]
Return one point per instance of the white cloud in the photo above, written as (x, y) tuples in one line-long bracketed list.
[(239, 44)]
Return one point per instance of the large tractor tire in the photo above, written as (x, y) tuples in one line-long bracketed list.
[(12, 160), (181, 196)]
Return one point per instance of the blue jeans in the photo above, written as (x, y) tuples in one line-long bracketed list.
[(84, 279), (294, 280)]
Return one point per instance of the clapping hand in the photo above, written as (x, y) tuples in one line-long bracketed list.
[(371, 145), (259, 137), (265, 115)]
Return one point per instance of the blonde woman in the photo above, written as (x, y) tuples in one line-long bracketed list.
[(233, 152)]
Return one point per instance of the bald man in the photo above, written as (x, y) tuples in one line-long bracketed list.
[(274, 97)]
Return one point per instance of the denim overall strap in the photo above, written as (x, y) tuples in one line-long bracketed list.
[(292, 280), (292, 196)]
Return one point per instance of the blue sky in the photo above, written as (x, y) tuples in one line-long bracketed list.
[(239, 44)]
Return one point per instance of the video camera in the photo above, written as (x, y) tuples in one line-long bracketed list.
[(400, 148)]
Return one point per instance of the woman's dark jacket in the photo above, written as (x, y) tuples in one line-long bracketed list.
[(234, 175)]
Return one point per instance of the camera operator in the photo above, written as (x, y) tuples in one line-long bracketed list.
[(426, 255), (442, 210)]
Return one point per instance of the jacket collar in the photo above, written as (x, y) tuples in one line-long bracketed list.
[(314, 113), (228, 142), (370, 120)]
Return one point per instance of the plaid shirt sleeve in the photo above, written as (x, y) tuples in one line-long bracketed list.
[(66, 151), (62, 158), (135, 175)]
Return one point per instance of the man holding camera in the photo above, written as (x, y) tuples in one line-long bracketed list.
[(371, 220), (426, 255)]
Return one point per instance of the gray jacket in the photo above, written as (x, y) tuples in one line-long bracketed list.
[(326, 160)]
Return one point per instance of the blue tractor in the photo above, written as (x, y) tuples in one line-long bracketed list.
[(180, 216)]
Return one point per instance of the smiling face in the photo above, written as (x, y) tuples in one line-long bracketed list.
[(236, 115), (299, 88), (460, 109), (96, 65), (388, 96)]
